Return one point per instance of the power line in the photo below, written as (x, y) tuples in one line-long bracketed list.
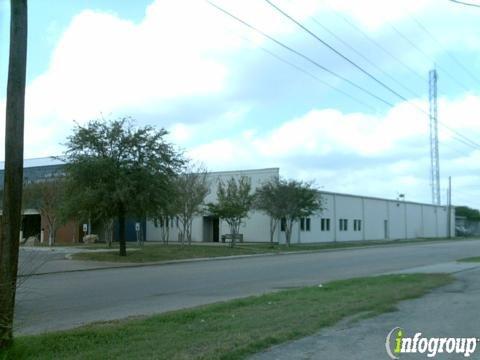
[(313, 76), (346, 44), (465, 3), (466, 141), (346, 58), (449, 53), (412, 44), (363, 70), (271, 38), (377, 44)]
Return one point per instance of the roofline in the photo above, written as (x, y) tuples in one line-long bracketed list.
[(381, 199), (243, 171)]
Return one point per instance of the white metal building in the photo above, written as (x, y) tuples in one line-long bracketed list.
[(344, 218)]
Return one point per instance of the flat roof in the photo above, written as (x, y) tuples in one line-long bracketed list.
[(38, 162), (52, 161), (379, 198)]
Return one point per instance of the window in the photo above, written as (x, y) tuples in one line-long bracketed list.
[(325, 224), (283, 224), (304, 224), (343, 224), (357, 225)]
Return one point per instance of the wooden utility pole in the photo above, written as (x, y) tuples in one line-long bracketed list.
[(12, 195)]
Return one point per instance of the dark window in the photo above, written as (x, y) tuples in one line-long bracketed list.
[(302, 224), (283, 224), (345, 226), (357, 225), (307, 224), (325, 224)]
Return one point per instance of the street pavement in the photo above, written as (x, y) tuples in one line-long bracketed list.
[(65, 300), (449, 311)]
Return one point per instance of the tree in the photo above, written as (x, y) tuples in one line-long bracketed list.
[(469, 213), (291, 200), (191, 188), (267, 201), (47, 196), (234, 201), (115, 170), (12, 195)]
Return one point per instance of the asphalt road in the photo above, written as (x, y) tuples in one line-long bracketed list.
[(65, 300)]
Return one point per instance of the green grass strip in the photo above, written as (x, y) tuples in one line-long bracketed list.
[(470, 259), (229, 330), (160, 252)]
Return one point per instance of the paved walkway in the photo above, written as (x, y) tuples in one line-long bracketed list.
[(46, 260), (450, 311)]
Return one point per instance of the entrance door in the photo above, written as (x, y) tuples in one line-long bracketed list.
[(211, 229), (216, 229)]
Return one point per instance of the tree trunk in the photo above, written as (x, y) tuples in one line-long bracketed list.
[(12, 194), (189, 231), (273, 227), (288, 231), (121, 231)]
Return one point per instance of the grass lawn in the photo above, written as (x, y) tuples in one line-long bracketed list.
[(151, 253), (471, 259), (160, 252), (229, 330)]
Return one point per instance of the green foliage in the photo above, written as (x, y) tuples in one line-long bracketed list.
[(469, 213), (189, 189), (234, 201), (289, 200), (115, 170)]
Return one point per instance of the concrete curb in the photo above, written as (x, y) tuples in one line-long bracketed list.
[(220, 258)]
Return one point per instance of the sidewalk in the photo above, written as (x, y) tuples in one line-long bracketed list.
[(450, 311)]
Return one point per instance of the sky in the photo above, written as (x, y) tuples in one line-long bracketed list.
[(232, 99)]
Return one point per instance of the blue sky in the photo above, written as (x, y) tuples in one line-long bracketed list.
[(230, 104)]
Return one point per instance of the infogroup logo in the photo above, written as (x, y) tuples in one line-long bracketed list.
[(397, 343)]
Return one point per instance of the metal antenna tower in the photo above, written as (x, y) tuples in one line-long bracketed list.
[(434, 158)]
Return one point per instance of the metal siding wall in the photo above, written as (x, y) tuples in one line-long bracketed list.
[(442, 216), (414, 221), (397, 220), (429, 221), (349, 208), (375, 215)]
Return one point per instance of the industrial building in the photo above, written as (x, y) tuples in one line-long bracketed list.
[(344, 218)]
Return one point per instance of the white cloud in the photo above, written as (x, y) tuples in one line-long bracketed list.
[(376, 155), (373, 14), (184, 50)]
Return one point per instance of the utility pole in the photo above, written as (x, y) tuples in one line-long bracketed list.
[(434, 158), (449, 206)]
